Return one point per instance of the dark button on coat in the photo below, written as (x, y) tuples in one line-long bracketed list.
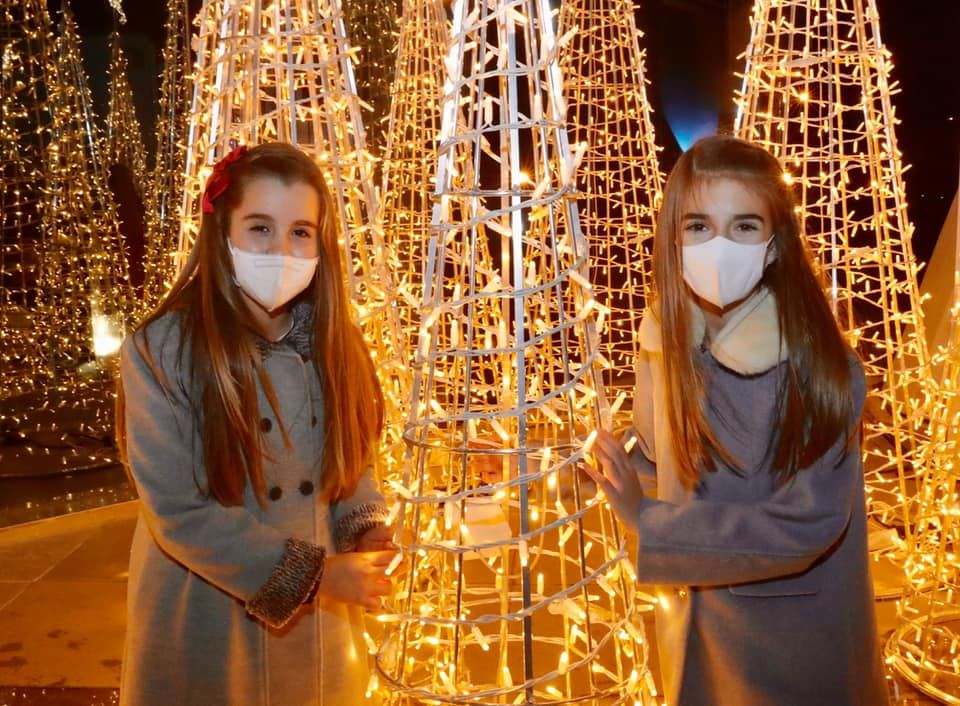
[(195, 563)]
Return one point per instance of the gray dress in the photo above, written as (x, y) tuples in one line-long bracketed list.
[(765, 594), (216, 598)]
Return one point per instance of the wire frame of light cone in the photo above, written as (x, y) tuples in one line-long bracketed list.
[(514, 586), (619, 178), (817, 94), (410, 154), (372, 27), (925, 646), (124, 138), (86, 300), (165, 191), (268, 71)]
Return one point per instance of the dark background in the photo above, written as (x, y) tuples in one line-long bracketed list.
[(692, 48)]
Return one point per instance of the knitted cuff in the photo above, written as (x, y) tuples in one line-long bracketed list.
[(291, 583), (360, 519)]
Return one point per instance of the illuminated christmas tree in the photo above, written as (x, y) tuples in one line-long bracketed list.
[(124, 139), (25, 40), (372, 27), (410, 156), (269, 71), (925, 648), (817, 93), (619, 177), (86, 297), (515, 586), (163, 201)]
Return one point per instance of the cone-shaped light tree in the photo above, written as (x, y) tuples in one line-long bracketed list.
[(925, 647), (515, 586), (86, 298), (124, 139), (165, 193), (269, 71), (410, 153), (619, 178), (817, 93), (26, 42)]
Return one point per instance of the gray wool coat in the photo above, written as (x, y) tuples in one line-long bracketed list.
[(764, 593), (219, 608)]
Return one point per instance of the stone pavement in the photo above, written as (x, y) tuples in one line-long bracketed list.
[(62, 609)]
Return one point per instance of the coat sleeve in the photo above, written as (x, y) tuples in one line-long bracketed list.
[(362, 511), (704, 542), (227, 546)]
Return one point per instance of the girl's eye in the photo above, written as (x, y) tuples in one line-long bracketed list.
[(696, 226), (259, 229), (748, 226), (302, 233)]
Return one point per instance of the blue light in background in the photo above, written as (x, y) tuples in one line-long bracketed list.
[(690, 111)]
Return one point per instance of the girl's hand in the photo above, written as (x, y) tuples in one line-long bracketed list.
[(618, 478), (356, 577), (376, 539)]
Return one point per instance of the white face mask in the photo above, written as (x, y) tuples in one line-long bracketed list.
[(722, 271), (271, 280)]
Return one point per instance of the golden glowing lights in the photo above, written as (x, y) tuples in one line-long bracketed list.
[(925, 647), (816, 93), (164, 195), (270, 71), (619, 177), (124, 139), (514, 578), (66, 299)]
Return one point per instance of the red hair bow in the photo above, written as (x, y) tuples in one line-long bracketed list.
[(219, 180)]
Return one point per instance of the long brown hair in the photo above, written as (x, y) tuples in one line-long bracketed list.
[(815, 400), (224, 361)]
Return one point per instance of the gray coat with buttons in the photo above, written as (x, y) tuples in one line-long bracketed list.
[(764, 591), (218, 599)]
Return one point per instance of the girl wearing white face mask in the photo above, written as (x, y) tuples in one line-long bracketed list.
[(747, 410), (248, 416)]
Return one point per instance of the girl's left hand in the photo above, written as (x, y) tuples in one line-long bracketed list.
[(376, 539), (618, 478)]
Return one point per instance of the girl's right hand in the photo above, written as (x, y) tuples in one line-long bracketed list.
[(356, 577)]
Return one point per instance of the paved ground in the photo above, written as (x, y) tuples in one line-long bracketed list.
[(62, 603)]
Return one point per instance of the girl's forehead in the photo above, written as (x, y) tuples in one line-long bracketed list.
[(723, 193), (268, 193)]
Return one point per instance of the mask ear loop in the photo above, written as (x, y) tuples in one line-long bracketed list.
[(771, 255)]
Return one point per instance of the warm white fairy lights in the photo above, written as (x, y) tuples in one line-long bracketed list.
[(270, 71), (24, 133), (817, 93), (66, 298), (925, 647), (410, 153), (164, 195), (514, 585), (619, 178), (85, 294), (372, 28), (124, 139)]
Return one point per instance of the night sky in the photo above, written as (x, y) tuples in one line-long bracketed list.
[(691, 56)]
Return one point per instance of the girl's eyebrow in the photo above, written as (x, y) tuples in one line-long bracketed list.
[(265, 217), (736, 217)]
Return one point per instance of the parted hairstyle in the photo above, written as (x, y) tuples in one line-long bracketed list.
[(815, 401), (224, 360)]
